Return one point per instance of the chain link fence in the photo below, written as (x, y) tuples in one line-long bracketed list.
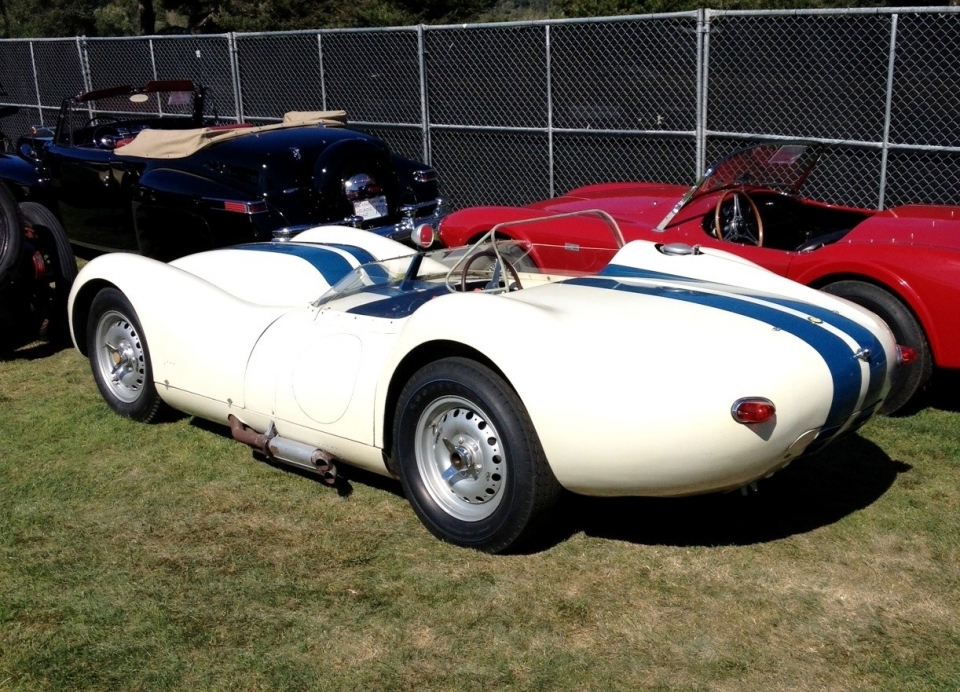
[(514, 112)]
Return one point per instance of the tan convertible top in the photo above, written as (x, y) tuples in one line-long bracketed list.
[(177, 144)]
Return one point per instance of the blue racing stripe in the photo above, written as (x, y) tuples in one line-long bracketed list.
[(358, 253), (866, 339), (844, 367), (877, 365), (331, 264), (637, 273)]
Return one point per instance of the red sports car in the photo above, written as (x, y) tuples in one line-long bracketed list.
[(903, 263)]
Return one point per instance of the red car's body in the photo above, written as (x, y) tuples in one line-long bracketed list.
[(903, 263)]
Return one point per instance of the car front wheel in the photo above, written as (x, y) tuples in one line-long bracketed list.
[(469, 459), (120, 358)]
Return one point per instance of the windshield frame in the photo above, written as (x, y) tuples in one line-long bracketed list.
[(509, 259), (753, 171)]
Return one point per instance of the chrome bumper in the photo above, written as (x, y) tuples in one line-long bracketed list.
[(400, 231)]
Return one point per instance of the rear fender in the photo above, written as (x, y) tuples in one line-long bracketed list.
[(169, 183), (932, 272), (178, 213)]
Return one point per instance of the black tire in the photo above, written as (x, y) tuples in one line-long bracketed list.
[(120, 358), (11, 234), (458, 418), (910, 381), (50, 239)]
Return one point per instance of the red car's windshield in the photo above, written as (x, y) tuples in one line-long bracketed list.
[(782, 167), (776, 166)]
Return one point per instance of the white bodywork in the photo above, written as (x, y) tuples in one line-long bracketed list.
[(628, 377)]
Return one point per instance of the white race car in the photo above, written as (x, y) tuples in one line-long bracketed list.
[(487, 386)]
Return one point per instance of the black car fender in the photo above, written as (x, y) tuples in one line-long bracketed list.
[(179, 212), (26, 180), (189, 189), (417, 181)]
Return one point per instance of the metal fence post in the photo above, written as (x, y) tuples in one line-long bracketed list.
[(84, 63), (885, 147), (234, 58), (36, 82), (323, 81), (550, 160), (85, 68), (424, 102), (703, 76)]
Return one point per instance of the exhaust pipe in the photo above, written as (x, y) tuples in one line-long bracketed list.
[(276, 448)]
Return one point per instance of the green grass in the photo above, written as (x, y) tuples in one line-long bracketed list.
[(167, 557)]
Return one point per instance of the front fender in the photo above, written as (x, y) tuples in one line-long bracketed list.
[(24, 179), (199, 336)]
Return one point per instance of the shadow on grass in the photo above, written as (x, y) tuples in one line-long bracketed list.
[(810, 493), (945, 391), (346, 474), (33, 351)]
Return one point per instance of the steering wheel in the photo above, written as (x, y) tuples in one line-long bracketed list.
[(738, 228), (494, 282)]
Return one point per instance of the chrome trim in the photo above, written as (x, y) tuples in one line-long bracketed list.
[(425, 176), (757, 399), (360, 186), (400, 231)]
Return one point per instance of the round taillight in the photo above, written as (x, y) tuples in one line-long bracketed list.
[(753, 410), (906, 354), (424, 235)]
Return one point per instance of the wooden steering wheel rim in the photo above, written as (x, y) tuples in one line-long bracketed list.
[(753, 208)]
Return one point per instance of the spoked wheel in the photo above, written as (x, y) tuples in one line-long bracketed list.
[(464, 474), (120, 358), (732, 224), (53, 266), (469, 460)]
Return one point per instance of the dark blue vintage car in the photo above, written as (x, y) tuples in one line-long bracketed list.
[(144, 169)]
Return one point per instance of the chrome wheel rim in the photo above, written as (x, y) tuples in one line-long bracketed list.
[(120, 356), (460, 458)]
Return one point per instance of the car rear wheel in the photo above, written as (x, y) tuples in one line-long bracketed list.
[(910, 380), (120, 358), (469, 459)]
